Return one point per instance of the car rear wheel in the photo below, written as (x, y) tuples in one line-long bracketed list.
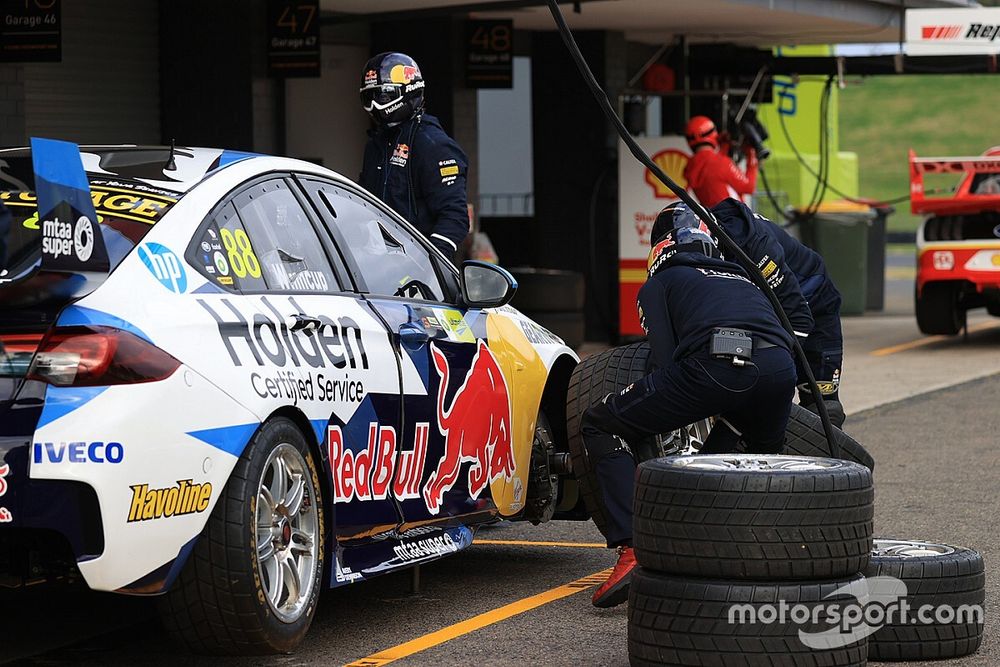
[(938, 309), (252, 583)]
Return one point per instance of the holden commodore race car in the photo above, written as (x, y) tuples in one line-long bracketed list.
[(232, 380), (958, 244)]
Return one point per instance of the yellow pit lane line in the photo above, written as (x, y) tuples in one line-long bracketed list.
[(481, 621), (920, 342)]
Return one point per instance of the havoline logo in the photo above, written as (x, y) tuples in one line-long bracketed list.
[(185, 498)]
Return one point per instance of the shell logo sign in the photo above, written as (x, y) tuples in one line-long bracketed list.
[(672, 162)]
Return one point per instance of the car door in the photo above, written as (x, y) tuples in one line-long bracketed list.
[(455, 406), (318, 347)]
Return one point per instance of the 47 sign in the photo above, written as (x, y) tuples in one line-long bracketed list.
[(293, 48)]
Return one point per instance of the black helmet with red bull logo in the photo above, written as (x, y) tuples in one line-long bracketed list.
[(392, 88), (676, 215), (668, 240)]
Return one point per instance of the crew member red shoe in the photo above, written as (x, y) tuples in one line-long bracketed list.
[(614, 591)]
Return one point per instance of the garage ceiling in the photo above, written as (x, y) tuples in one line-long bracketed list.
[(750, 22)]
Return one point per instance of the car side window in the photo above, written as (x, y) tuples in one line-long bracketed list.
[(280, 245), (226, 253), (391, 260)]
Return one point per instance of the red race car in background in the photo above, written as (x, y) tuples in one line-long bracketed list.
[(958, 244)]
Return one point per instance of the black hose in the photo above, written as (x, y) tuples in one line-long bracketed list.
[(729, 246)]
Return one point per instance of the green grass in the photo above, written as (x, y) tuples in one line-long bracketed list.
[(882, 117)]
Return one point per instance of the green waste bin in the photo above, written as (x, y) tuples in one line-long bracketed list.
[(839, 232)]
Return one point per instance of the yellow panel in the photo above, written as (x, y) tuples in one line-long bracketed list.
[(525, 373)]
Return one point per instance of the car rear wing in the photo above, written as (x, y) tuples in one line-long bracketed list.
[(60, 254), (978, 191)]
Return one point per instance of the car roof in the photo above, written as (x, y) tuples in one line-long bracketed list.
[(164, 169)]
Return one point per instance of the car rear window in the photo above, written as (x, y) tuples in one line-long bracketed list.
[(127, 214)]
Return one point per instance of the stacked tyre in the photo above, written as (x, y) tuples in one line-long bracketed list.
[(744, 560), (553, 299)]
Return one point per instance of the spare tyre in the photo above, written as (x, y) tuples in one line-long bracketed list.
[(805, 437), (753, 516), (594, 378), (944, 579), (717, 623)]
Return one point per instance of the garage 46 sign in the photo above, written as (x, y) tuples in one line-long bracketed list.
[(32, 31)]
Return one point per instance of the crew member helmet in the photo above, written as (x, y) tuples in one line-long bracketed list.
[(675, 216), (392, 88), (683, 239), (701, 130)]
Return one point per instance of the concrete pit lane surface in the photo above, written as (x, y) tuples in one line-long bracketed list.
[(924, 407)]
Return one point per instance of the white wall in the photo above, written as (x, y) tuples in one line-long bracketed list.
[(323, 117)]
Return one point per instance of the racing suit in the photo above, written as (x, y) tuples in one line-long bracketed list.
[(712, 176), (418, 170), (679, 307), (824, 347)]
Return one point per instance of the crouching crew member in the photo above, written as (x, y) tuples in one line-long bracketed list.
[(693, 304), (809, 298)]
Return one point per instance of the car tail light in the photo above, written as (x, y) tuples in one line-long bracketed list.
[(98, 356)]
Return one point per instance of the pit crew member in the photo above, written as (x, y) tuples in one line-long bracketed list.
[(690, 296), (410, 163), (711, 175)]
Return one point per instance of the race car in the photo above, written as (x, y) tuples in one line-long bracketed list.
[(233, 380), (958, 243)]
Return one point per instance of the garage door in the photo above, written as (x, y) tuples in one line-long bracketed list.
[(106, 89)]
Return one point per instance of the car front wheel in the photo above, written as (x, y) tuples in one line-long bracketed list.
[(252, 583)]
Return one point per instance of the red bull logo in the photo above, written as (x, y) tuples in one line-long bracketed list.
[(403, 73), (476, 428)]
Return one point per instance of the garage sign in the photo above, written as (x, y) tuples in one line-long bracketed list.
[(953, 32), (32, 31)]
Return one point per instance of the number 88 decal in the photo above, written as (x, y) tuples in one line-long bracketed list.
[(241, 257)]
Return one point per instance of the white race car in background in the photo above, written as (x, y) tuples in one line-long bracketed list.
[(234, 379)]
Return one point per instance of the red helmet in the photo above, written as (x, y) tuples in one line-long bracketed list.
[(701, 130)]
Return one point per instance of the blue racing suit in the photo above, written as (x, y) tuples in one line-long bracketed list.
[(418, 170)]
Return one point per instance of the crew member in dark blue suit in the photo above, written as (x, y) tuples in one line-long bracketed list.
[(410, 163), (798, 276), (690, 295), (824, 347)]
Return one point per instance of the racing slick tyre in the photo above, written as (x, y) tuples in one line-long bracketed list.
[(681, 621), (947, 578), (753, 517), (594, 378), (938, 309), (805, 436), (253, 580)]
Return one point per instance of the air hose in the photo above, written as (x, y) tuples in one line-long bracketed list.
[(728, 245)]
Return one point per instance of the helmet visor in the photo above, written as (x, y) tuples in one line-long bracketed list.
[(381, 97)]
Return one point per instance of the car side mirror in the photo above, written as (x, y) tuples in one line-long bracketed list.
[(486, 285)]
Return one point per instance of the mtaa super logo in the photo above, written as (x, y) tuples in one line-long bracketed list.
[(164, 265)]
